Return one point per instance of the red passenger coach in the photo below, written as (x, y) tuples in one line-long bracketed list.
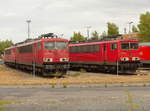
[(145, 53), (47, 54), (105, 56)]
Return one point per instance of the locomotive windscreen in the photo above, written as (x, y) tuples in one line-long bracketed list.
[(55, 45), (127, 46)]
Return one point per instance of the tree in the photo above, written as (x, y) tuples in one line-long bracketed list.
[(95, 35), (112, 29), (144, 27), (104, 34), (134, 28), (5, 44), (77, 37)]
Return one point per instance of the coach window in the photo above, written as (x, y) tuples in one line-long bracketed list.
[(113, 46)]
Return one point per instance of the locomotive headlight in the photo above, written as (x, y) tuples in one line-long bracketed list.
[(64, 59), (135, 58), (124, 59), (48, 59)]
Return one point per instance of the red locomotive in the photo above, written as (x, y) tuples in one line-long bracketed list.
[(47, 54), (144, 53), (108, 56)]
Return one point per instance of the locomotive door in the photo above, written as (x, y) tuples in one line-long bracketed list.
[(104, 53), (35, 53)]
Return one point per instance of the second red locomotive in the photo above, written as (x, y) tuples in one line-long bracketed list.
[(105, 56), (47, 55), (144, 53)]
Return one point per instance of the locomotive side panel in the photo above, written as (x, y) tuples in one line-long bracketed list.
[(85, 54), (145, 53), (25, 54)]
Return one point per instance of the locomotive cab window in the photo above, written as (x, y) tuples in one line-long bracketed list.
[(61, 45), (55, 45), (127, 46), (134, 45), (113, 46), (49, 45)]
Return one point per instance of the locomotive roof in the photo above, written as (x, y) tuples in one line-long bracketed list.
[(35, 41), (101, 42)]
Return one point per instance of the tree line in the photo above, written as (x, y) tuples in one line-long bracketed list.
[(143, 29), (5, 44)]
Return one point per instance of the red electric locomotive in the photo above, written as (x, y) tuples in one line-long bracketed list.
[(105, 56), (47, 54), (144, 53)]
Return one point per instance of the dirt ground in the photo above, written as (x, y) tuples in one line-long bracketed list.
[(10, 76)]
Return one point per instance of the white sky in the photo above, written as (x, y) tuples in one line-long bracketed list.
[(66, 16)]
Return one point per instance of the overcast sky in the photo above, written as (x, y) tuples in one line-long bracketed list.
[(66, 16)]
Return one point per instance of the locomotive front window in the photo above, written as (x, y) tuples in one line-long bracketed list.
[(133, 45), (55, 45), (49, 45), (127, 46), (61, 45)]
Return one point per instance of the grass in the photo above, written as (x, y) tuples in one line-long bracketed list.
[(53, 85), (11, 77), (4, 68), (76, 74), (82, 70), (5, 102), (130, 102), (1, 108), (2, 103), (64, 85)]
